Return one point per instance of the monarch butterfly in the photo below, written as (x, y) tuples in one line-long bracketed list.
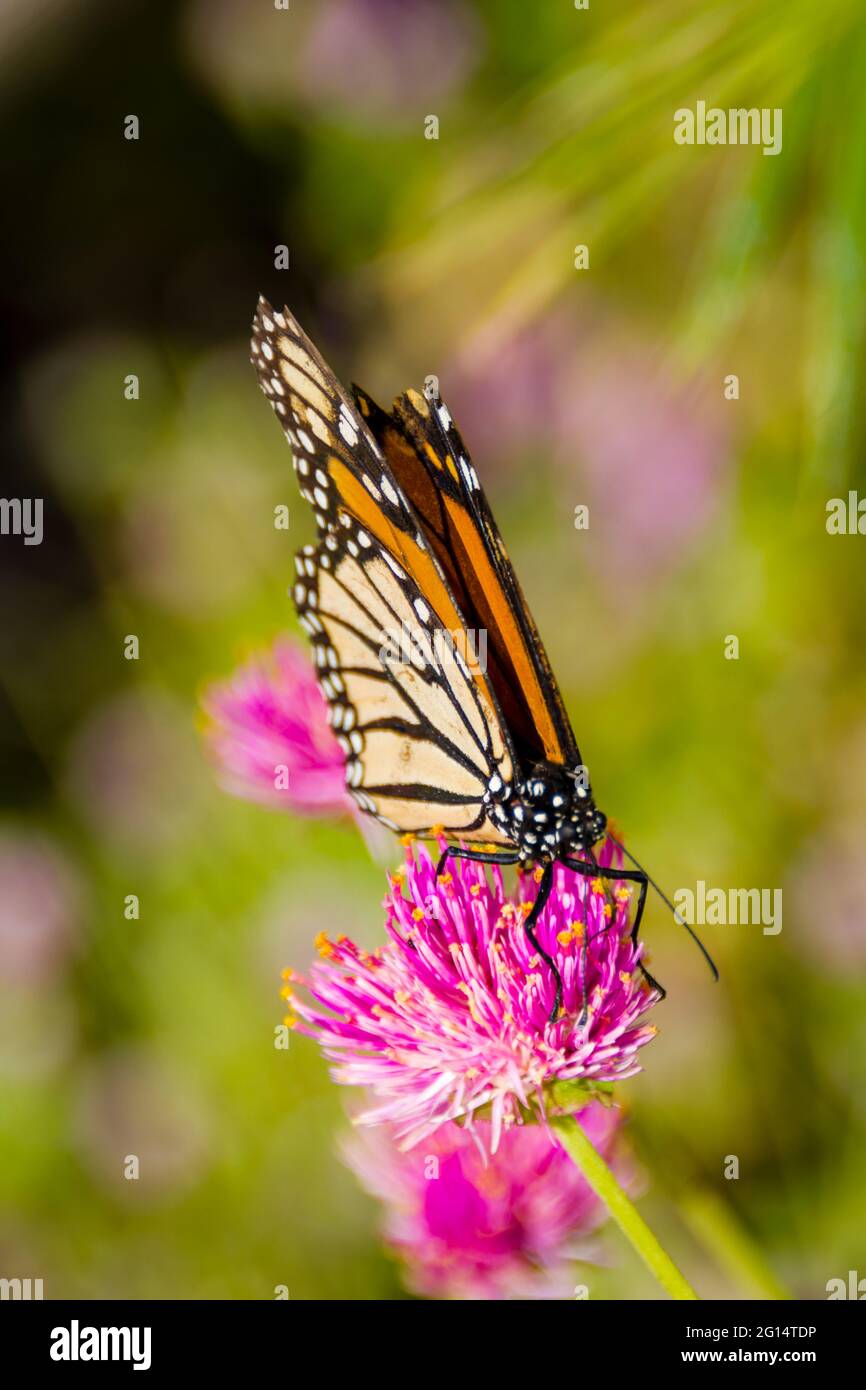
[(408, 565)]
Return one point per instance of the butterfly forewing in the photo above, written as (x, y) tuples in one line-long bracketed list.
[(409, 701), (432, 466)]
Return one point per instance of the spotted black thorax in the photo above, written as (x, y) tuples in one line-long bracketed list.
[(549, 814)]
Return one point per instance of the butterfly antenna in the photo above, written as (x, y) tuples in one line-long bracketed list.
[(665, 899)]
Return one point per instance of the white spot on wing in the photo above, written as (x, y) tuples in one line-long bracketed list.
[(347, 428)]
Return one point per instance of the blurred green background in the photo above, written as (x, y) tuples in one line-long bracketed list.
[(602, 386)]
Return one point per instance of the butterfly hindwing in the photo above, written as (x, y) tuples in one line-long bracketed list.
[(420, 748)]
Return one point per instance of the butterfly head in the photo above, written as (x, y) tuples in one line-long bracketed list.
[(551, 813)]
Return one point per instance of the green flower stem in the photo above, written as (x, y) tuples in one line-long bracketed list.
[(621, 1208)]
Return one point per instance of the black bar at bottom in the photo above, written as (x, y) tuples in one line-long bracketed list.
[(158, 1339)]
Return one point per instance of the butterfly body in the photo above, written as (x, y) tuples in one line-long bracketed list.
[(547, 815)]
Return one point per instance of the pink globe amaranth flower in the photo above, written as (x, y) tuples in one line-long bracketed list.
[(373, 57), (505, 389), (40, 908), (269, 736), (473, 1226), (134, 772), (450, 1018), (653, 453)]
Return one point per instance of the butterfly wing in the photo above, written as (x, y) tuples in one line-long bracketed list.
[(420, 743), (412, 707), (432, 466)]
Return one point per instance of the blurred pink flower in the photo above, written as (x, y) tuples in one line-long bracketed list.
[(472, 1226), (645, 451), (383, 57), (504, 397), (380, 63), (450, 1017), (39, 908), (135, 772), (269, 735), (141, 1125), (832, 871)]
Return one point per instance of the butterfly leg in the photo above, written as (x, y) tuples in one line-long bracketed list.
[(595, 870), (481, 856), (584, 868), (543, 894), (629, 876), (544, 887)]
